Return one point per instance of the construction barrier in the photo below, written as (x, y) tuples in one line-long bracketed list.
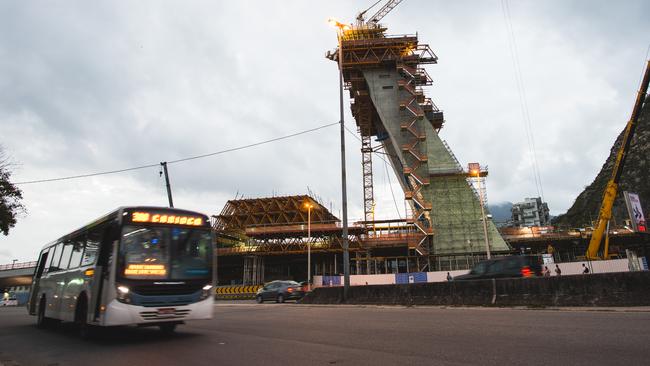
[(236, 292), (601, 289)]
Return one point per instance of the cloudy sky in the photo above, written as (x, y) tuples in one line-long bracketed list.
[(94, 86)]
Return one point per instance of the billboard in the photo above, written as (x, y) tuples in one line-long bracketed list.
[(635, 211)]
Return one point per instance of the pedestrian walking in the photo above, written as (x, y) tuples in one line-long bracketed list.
[(585, 269), (449, 277), (558, 271), (546, 272)]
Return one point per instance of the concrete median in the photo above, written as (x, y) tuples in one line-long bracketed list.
[(607, 289)]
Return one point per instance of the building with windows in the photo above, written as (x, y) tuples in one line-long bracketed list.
[(531, 212)]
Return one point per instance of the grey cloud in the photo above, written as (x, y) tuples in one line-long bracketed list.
[(97, 86)]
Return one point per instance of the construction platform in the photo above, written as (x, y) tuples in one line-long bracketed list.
[(263, 239)]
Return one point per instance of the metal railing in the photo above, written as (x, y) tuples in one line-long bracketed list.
[(6, 267)]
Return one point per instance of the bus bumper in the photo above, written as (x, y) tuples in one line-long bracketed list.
[(118, 313)]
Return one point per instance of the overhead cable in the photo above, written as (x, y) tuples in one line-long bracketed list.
[(523, 100), (178, 160)]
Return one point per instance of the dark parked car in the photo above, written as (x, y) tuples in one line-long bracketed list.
[(280, 291), (503, 267)]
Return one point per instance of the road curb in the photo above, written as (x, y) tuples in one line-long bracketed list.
[(487, 308)]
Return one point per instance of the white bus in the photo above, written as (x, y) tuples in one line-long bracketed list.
[(134, 266)]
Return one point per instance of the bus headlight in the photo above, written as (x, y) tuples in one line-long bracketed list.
[(206, 291), (123, 294)]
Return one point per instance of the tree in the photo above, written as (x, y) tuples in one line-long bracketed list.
[(10, 196)]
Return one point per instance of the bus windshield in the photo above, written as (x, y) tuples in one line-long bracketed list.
[(169, 253)]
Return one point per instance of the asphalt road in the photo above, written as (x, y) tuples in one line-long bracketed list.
[(290, 334)]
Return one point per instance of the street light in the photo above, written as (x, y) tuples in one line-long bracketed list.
[(475, 170), (344, 236), (13, 263), (308, 206)]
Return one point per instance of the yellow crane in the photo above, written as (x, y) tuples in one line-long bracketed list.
[(609, 195)]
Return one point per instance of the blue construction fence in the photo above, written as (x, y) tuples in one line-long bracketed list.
[(400, 278), (413, 277)]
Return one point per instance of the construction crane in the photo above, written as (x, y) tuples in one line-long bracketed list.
[(609, 195), (375, 18)]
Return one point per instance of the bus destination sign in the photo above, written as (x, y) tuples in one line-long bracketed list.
[(156, 218), (145, 270)]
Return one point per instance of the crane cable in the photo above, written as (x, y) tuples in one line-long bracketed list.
[(528, 129), (390, 185)]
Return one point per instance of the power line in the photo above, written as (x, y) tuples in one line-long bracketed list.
[(254, 144), (87, 175), (523, 100), (179, 160)]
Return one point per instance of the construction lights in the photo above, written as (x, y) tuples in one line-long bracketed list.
[(335, 23)]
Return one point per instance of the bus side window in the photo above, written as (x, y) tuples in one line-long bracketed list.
[(93, 240), (65, 257), (77, 251), (56, 257)]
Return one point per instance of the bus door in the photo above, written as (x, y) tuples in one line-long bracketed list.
[(93, 241), (61, 280), (103, 238), (48, 282), (33, 296), (67, 284)]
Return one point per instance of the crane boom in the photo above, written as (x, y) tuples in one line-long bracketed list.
[(609, 195), (387, 8)]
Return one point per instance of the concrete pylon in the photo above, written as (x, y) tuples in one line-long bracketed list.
[(446, 206)]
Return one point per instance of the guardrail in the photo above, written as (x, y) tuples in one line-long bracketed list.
[(6, 267)]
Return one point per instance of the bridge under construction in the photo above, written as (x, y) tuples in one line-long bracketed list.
[(447, 225), (446, 218)]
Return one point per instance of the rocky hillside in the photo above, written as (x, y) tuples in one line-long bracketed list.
[(500, 212), (635, 178)]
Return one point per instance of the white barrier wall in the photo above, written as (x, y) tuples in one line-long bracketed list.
[(441, 276), (612, 265), (379, 279), (571, 268)]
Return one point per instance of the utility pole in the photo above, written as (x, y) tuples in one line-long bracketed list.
[(475, 170), (483, 218), (344, 191), (169, 188)]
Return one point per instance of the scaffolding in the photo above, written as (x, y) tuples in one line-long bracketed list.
[(268, 238), (385, 80)]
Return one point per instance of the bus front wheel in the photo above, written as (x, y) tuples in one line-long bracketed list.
[(41, 320), (86, 331)]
